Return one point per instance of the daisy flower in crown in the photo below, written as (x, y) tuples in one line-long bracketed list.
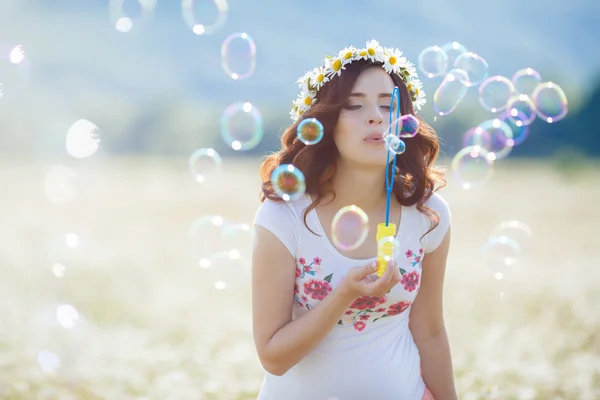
[(390, 59)]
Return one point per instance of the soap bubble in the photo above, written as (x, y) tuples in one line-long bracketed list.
[(526, 80), (238, 56), (433, 61), (450, 92), (310, 131), (495, 92), (203, 163), (474, 65), (472, 166), (288, 182), (349, 228), (550, 102), (242, 126)]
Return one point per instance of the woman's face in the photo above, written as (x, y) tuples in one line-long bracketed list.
[(363, 120)]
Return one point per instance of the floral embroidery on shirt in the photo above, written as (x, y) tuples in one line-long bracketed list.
[(416, 257), (363, 308), (410, 280), (315, 289), (303, 268)]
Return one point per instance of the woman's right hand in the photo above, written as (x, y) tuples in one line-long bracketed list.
[(363, 281)]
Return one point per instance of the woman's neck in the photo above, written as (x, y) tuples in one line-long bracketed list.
[(363, 187)]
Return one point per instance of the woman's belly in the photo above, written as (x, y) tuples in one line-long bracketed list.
[(386, 368)]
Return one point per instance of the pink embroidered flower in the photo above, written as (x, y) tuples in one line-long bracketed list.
[(421, 250), (317, 289), (398, 308), (317, 260), (359, 326), (408, 253), (418, 259), (304, 298), (349, 312), (380, 309), (307, 268), (410, 281), (298, 272), (296, 288), (302, 261), (364, 317), (366, 302)]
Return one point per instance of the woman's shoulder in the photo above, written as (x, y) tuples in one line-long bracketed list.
[(278, 209), (438, 204)]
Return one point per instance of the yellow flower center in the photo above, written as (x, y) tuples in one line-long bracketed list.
[(337, 65), (371, 51), (363, 53), (320, 78), (410, 87), (348, 55), (393, 60), (307, 101), (416, 91)]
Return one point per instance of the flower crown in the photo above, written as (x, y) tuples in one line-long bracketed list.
[(391, 60)]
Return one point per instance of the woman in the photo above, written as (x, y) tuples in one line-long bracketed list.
[(325, 325)]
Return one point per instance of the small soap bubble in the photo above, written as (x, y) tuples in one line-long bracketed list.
[(526, 80), (228, 270), (501, 254), (48, 361), (499, 136), (238, 56), (519, 132), (394, 144), (450, 92), (388, 248), (472, 167), (474, 65), (477, 137), (521, 110), (517, 231), (310, 131), (67, 316), (495, 92), (83, 139), (204, 163), (206, 235), (349, 228), (17, 54), (407, 126), (288, 182), (242, 126), (550, 102), (453, 50), (433, 61), (125, 14), (205, 17)]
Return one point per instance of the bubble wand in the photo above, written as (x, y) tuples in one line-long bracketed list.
[(385, 229)]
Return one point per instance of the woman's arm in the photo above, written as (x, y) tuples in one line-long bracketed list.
[(428, 328), (280, 342)]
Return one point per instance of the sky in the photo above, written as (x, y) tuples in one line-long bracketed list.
[(74, 55)]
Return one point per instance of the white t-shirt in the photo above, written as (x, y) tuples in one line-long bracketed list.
[(370, 354)]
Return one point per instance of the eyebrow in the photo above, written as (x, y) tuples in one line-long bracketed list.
[(364, 95)]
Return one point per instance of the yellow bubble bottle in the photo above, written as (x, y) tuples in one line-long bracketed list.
[(385, 253)]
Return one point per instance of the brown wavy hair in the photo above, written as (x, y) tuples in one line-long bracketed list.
[(415, 178)]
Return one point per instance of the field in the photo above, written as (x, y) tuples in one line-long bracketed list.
[(104, 296)]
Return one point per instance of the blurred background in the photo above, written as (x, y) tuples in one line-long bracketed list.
[(130, 137)]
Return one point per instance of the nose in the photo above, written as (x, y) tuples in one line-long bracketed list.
[(375, 118)]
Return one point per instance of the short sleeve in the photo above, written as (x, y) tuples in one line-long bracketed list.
[(280, 219), (434, 238)]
